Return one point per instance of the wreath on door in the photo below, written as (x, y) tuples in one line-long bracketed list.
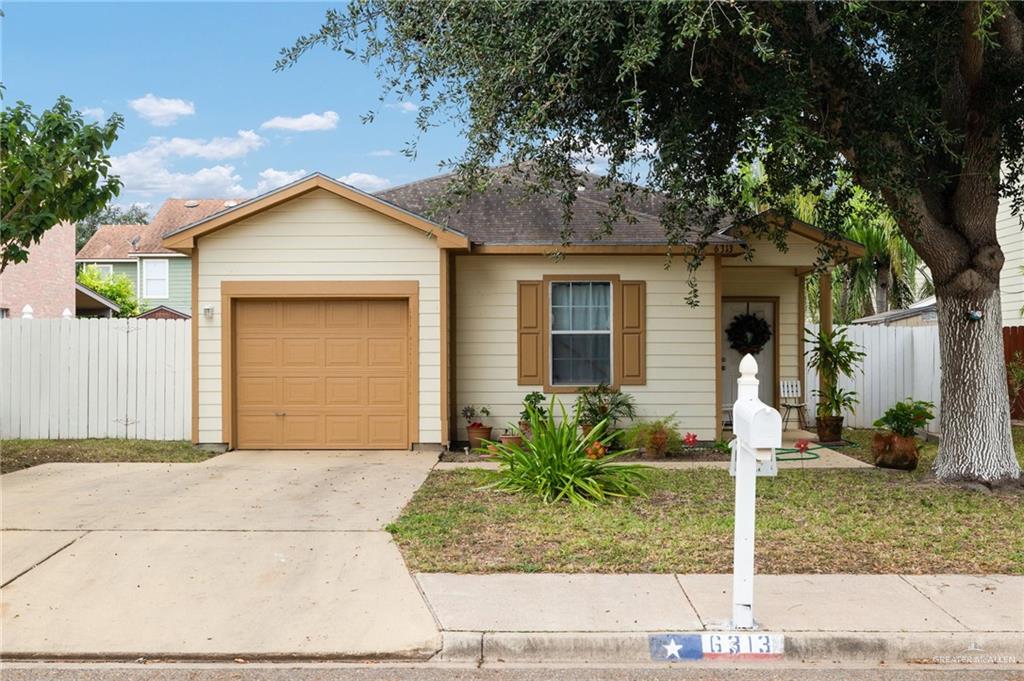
[(748, 333)]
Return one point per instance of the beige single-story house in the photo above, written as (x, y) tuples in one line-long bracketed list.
[(325, 317)]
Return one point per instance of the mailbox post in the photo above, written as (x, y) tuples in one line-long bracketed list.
[(758, 431)]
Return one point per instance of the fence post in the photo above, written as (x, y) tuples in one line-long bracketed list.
[(26, 312)]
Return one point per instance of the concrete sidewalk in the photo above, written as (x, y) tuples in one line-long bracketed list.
[(934, 619)]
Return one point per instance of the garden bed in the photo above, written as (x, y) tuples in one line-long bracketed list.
[(18, 454), (809, 521)]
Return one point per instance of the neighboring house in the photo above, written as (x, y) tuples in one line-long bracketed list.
[(1011, 279), (922, 313), (332, 318), (162, 312), (162, 277), (46, 281)]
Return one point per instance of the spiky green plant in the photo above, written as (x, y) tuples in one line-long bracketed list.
[(559, 462)]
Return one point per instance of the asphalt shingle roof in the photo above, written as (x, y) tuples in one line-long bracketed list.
[(508, 213), (115, 242)]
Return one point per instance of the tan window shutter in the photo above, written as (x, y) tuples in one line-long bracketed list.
[(631, 354), (531, 333)]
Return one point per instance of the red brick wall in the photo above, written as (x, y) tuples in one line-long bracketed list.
[(47, 280)]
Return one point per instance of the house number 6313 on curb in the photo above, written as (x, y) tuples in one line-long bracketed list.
[(728, 645)]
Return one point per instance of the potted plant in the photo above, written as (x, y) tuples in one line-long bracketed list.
[(535, 401), (602, 403), (511, 437), (897, 448), (476, 431), (834, 356)]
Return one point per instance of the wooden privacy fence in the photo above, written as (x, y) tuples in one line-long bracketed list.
[(88, 378), (1013, 343), (901, 362)]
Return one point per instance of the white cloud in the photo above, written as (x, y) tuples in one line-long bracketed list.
[(272, 179), (92, 112), (148, 170), (366, 181), (405, 107), (214, 149), (328, 120), (382, 152), (162, 111)]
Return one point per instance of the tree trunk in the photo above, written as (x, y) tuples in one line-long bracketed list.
[(975, 419), (883, 280)]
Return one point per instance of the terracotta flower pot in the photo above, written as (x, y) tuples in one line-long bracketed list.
[(894, 451), (475, 435), (830, 429), (524, 427), (586, 428), (511, 439)]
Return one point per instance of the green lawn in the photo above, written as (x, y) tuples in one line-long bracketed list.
[(853, 521), (18, 454)]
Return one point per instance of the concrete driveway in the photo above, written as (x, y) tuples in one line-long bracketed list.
[(249, 554)]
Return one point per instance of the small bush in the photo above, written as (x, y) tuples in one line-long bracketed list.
[(906, 417), (558, 462), (657, 437)]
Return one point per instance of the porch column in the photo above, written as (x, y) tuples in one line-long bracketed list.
[(824, 310), (825, 301)]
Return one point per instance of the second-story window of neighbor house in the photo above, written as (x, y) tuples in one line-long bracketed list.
[(581, 332), (155, 278)]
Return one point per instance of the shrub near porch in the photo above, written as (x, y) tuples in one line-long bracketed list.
[(852, 521)]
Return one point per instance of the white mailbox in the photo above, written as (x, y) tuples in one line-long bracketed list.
[(758, 430)]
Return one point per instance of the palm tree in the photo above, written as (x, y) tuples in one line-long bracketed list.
[(885, 277)]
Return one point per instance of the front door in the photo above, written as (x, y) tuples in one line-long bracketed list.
[(730, 360)]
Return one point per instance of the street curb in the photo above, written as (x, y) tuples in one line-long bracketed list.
[(933, 648)]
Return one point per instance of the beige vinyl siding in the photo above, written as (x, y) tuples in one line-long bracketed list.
[(1011, 279), (316, 237), (758, 282), (681, 364)]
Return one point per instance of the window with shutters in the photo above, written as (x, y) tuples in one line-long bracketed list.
[(581, 332)]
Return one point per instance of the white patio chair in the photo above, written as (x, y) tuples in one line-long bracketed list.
[(791, 397)]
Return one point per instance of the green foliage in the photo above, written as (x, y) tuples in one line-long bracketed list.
[(109, 215), (907, 417), (657, 437), (118, 288), (602, 403), (807, 90), (54, 167), (535, 401), (558, 462), (722, 445), (834, 356)]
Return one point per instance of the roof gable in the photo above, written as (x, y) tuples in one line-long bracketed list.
[(183, 238)]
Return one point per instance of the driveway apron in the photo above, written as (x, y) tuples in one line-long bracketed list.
[(250, 554)]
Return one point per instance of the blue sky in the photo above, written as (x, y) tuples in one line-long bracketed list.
[(205, 113)]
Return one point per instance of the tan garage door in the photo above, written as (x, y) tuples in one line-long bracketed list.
[(322, 374)]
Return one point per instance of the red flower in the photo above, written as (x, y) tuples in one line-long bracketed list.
[(690, 439), (802, 446)]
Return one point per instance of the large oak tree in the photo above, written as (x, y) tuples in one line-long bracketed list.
[(921, 103)]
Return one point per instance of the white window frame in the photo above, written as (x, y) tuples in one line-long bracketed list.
[(610, 332), (146, 264)]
